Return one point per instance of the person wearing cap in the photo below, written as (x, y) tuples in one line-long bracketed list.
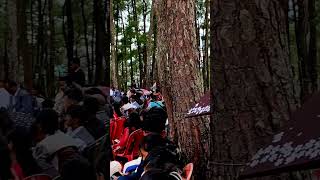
[(77, 75)]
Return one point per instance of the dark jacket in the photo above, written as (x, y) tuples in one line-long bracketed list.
[(78, 77)]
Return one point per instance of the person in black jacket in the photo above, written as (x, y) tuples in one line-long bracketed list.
[(77, 75)]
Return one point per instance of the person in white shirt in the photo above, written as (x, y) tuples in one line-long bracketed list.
[(50, 140), (76, 117)]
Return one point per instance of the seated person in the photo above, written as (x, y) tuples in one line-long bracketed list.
[(50, 140), (95, 126), (133, 123), (76, 117), (78, 168), (136, 167)]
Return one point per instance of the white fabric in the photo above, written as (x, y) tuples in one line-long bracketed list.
[(135, 162), (115, 167), (57, 141), (4, 98)]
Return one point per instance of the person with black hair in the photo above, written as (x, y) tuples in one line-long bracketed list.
[(77, 75), (76, 119), (49, 140), (72, 97), (147, 144), (77, 168), (93, 124), (154, 121)]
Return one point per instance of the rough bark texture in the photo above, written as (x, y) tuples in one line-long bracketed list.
[(52, 52), (70, 31), (100, 41), (23, 45), (252, 81), (150, 48), (13, 40), (85, 33), (177, 62), (114, 64), (306, 47)]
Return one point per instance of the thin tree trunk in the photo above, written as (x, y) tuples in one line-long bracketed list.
[(180, 81), (306, 47), (137, 32), (13, 40), (114, 70), (70, 32), (205, 67), (85, 32), (23, 45), (151, 48), (144, 48), (252, 82), (51, 48), (100, 41), (108, 39)]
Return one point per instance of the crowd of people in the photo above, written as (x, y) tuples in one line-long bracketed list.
[(72, 136), (156, 157), (63, 138)]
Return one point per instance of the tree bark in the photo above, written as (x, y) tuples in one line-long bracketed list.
[(85, 33), (150, 49), (13, 60), (177, 63), (137, 32), (114, 64), (306, 45), (252, 82), (70, 32), (100, 41), (144, 48), (23, 45), (52, 49)]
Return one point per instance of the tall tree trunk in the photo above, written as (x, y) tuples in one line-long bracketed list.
[(205, 72), (114, 66), (108, 39), (306, 45), (13, 40), (23, 45), (144, 48), (252, 82), (85, 33), (177, 60), (100, 41), (137, 32), (70, 32), (51, 48), (150, 48)]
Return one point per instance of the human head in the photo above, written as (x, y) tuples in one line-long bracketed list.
[(154, 121), (72, 97), (151, 142), (76, 116), (91, 104), (12, 87), (75, 64), (62, 83), (133, 121), (79, 169), (165, 158), (46, 123)]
